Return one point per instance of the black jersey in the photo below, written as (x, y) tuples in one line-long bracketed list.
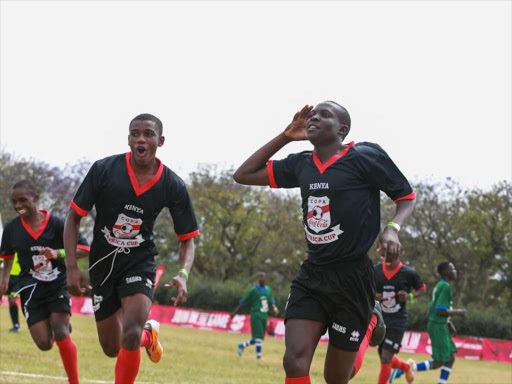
[(126, 212), (402, 278), (341, 198), (18, 237)]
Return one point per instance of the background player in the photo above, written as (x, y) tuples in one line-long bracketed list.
[(37, 237), (396, 285), (340, 186), (440, 329), (12, 288), (258, 298), (129, 191)]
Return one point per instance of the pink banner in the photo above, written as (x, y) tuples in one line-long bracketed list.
[(412, 342)]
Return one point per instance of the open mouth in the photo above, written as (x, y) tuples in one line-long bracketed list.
[(141, 150), (22, 211)]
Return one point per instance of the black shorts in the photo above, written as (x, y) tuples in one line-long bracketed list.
[(393, 340), (40, 300), (342, 296), (13, 285), (106, 299)]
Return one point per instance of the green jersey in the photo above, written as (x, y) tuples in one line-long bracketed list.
[(259, 299), (441, 299)]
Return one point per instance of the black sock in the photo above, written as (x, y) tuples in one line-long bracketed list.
[(13, 310)]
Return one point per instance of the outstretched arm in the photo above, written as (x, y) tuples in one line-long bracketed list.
[(186, 255), (253, 171), (235, 310), (389, 244)]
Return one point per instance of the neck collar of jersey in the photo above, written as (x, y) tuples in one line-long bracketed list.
[(323, 167), (262, 290), (139, 190), (389, 276), (35, 235)]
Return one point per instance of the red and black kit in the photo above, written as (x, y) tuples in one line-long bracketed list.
[(341, 218), (42, 282), (402, 278), (122, 251)]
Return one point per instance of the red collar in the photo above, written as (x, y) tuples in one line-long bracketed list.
[(35, 235), (139, 190), (323, 167), (393, 272)]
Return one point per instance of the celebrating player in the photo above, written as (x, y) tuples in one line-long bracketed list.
[(258, 297), (396, 285), (37, 237), (340, 186), (12, 288), (129, 191), (440, 328)]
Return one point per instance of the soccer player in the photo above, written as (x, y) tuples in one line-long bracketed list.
[(37, 237), (340, 186), (258, 298), (396, 285), (129, 191), (11, 294), (440, 328)]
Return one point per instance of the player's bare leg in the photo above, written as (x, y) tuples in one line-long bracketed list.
[(109, 333), (339, 365), (301, 338), (135, 313), (42, 335), (59, 322)]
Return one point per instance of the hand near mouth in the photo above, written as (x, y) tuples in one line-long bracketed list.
[(296, 131)]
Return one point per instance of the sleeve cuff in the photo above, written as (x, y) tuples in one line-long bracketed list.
[(241, 303), (85, 248), (6, 257), (422, 288), (410, 196), (78, 210), (441, 307), (270, 173), (189, 235)]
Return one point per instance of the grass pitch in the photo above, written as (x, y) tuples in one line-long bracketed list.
[(198, 357)]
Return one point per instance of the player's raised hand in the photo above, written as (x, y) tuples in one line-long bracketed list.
[(50, 253), (180, 282), (76, 282), (378, 297), (296, 131)]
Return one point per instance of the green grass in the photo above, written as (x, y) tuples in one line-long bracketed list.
[(201, 357)]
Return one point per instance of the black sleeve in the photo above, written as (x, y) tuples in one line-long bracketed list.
[(182, 211), (59, 224), (284, 173), (88, 192), (6, 249), (416, 281), (382, 173)]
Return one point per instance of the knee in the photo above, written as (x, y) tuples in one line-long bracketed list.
[(110, 350), (61, 333), (131, 337), (44, 345), (295, 365)]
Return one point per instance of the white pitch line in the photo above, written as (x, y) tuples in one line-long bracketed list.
[(61, 378)]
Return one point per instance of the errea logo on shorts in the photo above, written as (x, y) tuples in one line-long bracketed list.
[(354, 336), (339, 328), (97, 302), (133, 279)]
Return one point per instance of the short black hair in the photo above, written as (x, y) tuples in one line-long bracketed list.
[(343, 113), (441, 268), (27, 185), (150, 117)]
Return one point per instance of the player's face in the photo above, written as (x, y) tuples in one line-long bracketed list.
[(452, 272), (323, 125), (24, 201), (262, 278), (144, 140)]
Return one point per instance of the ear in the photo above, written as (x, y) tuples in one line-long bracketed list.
[(344, 130), (161, 141), (36, 198)]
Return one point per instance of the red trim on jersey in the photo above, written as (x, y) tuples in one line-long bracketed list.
[(35, 235), (189, 235), (323, 167), (270, 173), (85, 248), (139, 190), (393, 272), (422, 288), (6, 257), (78, 210), (410, 196)]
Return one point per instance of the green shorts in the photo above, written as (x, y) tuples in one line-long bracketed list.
[(443, 346), (258, 325)]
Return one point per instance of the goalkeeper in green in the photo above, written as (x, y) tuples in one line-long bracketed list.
[(258, 298)]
